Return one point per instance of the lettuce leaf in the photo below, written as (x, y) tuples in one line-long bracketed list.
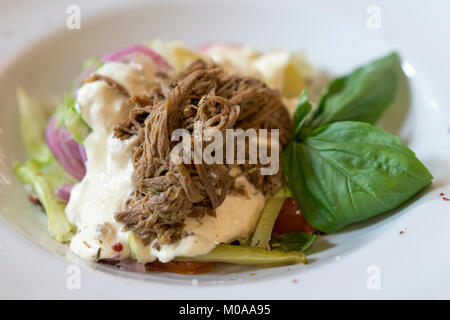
[(42, 172), (45, 179), (73, 120), (33, 120)]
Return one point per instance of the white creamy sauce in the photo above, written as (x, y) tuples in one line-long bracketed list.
[(108, 181), (99, 195)]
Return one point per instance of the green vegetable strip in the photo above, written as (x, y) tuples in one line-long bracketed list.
[(32, 173), (76, 125), (248, 255), (73, 121), (263, 230)]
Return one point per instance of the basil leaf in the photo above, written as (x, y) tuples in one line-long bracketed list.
[(300, 115), (351, 171), (360, 96), (293, 241)]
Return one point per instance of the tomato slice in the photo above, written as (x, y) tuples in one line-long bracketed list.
[(180, 267), (291, 219)]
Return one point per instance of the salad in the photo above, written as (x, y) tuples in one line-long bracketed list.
[(164, 158)]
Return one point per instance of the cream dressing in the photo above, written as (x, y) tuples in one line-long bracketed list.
[(107, 183)]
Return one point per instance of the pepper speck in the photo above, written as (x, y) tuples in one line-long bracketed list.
[(33, 199), (118, 247)]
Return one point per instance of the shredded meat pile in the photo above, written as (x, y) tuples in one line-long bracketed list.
[(167, 193)]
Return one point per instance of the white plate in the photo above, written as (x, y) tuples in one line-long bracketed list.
[(38, 52)]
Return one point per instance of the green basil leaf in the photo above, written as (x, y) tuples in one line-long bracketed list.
[(360, 96), (293, 241), (351, 171), (300, 115)]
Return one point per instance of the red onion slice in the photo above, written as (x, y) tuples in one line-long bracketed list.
[(121, 54), (63, 192), (69, 153)]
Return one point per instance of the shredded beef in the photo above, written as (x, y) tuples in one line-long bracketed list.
[(167, 193)]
